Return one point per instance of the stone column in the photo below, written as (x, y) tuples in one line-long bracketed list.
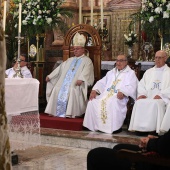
[(5, 156)]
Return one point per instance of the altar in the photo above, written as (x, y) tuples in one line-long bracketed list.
[(22, 109), (108, 65)]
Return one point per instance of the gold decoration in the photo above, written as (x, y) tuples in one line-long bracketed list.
[(111, 92)]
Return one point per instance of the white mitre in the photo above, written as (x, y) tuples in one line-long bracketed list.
[(79, 40)]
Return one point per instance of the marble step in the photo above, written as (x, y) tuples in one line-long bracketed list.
[(85, 139)]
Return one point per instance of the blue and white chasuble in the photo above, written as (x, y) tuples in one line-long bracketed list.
[(64, 91)]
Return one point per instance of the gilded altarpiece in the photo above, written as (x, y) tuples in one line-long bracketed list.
[(121, 11)]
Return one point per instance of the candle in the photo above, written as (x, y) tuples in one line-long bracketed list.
[(80, 11), (20, 14), (101, 3), (91, 13), (4, 17)]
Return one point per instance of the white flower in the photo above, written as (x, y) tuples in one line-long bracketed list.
[(158, 10), (39, 11), (151, 19), (165, 14), (33, 12), (35, 22), (126, 37), (29, 7), (16, 25), (168, 6), (38, 6), (52, 3), (49, 20), (39, 16), (150, 4), (24, 22), (24, 12), (59, 15)]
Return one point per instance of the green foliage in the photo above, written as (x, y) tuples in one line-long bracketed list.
[(154, 17)]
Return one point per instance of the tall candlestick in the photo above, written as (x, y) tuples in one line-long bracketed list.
[(20, 14), (91, 13), (101, 3), (80, 11), (4, 16)]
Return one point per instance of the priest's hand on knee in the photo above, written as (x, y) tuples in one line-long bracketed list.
[(79, 82), (157, 97), (120, 95), (47, 79), (141, 97), (92, 95)]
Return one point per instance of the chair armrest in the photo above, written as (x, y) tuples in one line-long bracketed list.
[(147, 157)]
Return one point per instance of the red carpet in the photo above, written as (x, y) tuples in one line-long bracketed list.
[(60, 123)]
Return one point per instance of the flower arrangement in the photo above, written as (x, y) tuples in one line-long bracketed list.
[(40, 15), (130, 39), (154, 16), (155, 10)]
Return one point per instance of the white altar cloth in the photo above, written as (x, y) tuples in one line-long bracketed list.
[(108, 65), (21, 102)]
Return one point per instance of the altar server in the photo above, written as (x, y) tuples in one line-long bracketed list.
[(107, 110), (25, 72)]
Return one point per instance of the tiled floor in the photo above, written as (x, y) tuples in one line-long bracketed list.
[(67, 150)]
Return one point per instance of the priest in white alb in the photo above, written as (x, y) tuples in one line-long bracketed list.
[(67, 85), (107, 110), (153, 96)]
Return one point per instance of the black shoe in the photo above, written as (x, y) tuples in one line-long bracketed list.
[(117, 131), (153, 133), (138, 133)]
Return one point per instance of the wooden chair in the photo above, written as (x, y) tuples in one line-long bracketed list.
[(137, 69), (94, 51), (148, 157), (31, 66)]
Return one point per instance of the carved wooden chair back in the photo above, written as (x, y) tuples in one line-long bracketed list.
[(130, 104), (94, 50)]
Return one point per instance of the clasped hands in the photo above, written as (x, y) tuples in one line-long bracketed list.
[(144, 97), (144, 141), (93, 94)]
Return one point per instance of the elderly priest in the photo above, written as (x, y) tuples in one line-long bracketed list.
[(106, 112), (153, 96), (68, 84)]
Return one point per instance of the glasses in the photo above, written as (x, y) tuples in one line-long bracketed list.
[(158, 58), (77, 49), (120, 61)]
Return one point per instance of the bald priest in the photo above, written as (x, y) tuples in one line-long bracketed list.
[(67, 85)]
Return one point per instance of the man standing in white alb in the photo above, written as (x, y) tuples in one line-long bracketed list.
[(67, 85), (24, 69), (106, 112), (153, 95)]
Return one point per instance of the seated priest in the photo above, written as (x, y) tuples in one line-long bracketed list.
[(67, 85), (107, 107), (153, 96), (11, 72)]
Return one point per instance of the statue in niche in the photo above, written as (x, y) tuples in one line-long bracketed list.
[(58, 37)]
